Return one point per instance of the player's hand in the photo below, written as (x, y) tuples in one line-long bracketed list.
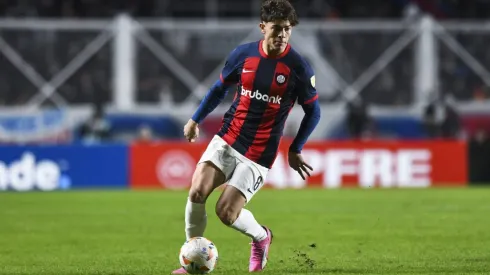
[(191, 131), (298, 164)]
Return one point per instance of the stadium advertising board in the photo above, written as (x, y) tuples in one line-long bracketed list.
[(47, 168), (384, 164)]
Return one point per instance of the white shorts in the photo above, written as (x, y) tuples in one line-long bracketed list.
[(240, 172)]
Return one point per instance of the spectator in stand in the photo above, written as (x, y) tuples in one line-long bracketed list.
[(358, 119), (479, 157), (441, 118), (451, 124), (145, 135), (96, 129)]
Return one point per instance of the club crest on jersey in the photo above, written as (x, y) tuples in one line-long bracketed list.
[(280, 78)]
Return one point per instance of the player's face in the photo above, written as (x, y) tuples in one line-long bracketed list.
[(276, 34)]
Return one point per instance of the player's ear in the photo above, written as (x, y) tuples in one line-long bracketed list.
[(262, 27)]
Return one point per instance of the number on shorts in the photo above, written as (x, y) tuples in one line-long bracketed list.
[(258, 183)]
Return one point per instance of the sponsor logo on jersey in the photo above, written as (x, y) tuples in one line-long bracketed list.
[(264, 97)]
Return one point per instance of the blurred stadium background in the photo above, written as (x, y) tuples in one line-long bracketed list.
[(111, 75), (94, 95)]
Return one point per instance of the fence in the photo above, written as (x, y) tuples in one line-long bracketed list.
[(128, 64), (166, 66)]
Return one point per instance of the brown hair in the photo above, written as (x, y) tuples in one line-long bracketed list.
[(278, 10)]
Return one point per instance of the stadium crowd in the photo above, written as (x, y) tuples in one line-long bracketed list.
[(442, 9)]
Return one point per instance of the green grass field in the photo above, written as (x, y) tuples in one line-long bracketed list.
[(443, 231)]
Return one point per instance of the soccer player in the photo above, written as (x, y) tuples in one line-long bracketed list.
[(271, 77)]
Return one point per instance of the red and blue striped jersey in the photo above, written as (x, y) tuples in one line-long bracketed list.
[(267, 91)]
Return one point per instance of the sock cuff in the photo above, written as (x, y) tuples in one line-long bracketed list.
[(237, 222), (196, 206)]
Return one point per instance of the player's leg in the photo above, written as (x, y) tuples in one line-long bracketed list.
[(205, 179), (215, 167), (244, 183), (230, 210)]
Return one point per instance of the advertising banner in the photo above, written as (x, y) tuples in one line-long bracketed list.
[(163, 165), (384, 164), (46, 168)]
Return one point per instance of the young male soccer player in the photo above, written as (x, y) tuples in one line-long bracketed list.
[(271, 77)]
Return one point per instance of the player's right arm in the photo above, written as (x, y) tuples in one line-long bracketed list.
[(229, 76)]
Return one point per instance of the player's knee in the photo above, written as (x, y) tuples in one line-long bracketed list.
[(197, 195), (227, 215)]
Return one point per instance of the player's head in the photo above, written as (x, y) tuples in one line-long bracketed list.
[(278, 17)]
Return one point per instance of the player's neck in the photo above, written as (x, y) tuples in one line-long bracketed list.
[(271, 52)]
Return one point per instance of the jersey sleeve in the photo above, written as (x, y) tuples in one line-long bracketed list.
[(230, 72), (306, 89)]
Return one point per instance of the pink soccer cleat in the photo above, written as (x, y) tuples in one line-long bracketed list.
[(260, 253), (179, 271)]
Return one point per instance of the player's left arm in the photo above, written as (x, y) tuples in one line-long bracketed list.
[(308, 99)]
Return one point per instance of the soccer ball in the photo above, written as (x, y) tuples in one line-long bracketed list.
[(198, 256)]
